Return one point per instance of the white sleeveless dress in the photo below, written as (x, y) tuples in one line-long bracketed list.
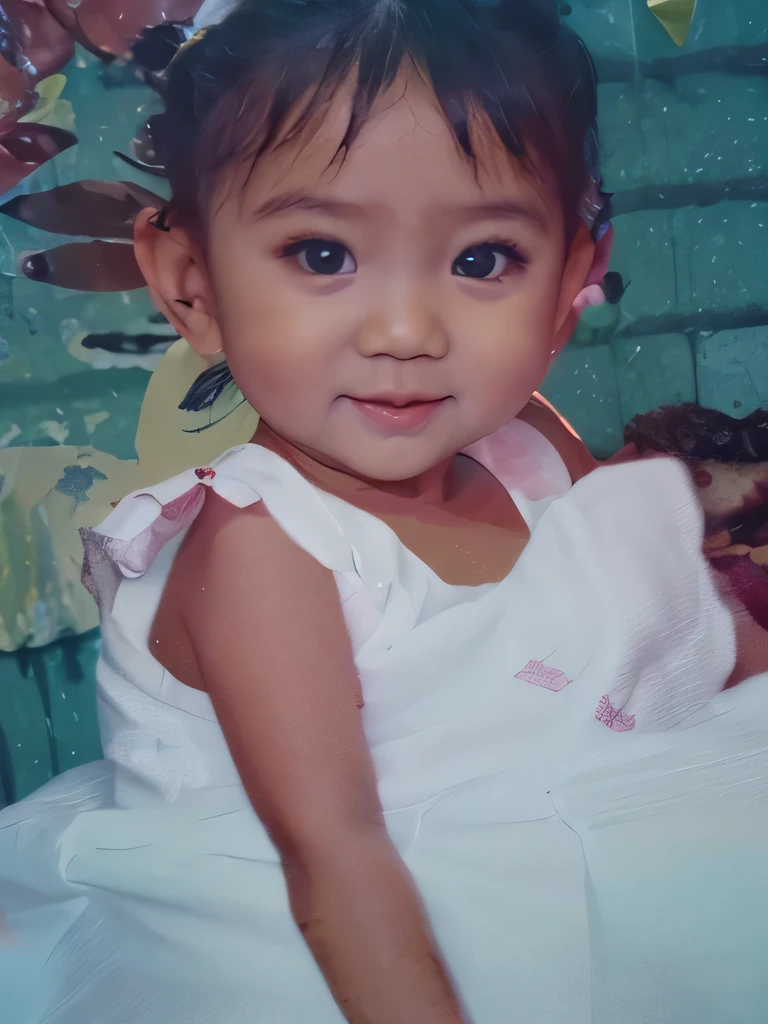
[(584, 811)]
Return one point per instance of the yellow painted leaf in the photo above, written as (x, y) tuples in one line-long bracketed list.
[(169, 440), (49, 90), (675, 15), (62, 116)]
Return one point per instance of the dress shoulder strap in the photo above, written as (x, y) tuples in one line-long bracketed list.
[(527, 464), (126, 543)]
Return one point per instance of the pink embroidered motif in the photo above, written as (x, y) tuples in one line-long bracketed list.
[(539, 674), (614, 718), (201, 474)]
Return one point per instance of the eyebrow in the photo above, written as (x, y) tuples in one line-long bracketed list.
[(504, 209), (288, 202)]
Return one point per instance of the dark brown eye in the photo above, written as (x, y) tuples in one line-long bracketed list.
[(320, 256), (486, 262)]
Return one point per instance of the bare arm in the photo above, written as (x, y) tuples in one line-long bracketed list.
[(272, 647)]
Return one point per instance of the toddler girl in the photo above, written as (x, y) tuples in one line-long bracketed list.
[(408, 716)]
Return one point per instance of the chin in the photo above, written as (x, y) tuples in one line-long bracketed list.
[(396, 468)]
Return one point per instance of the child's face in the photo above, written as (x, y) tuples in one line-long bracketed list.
[(356, 281)]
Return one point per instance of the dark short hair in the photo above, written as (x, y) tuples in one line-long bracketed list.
[(230, 91)]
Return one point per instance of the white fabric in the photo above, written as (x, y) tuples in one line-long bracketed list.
[(584, 812)]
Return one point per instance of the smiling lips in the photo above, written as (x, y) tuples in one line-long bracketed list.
[(398, 412)]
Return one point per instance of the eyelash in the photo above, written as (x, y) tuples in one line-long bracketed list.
[(293, 246), (508, 249)]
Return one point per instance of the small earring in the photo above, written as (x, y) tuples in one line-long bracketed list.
[(159, 220)]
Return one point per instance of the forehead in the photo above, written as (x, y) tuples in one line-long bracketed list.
[(405, 162)]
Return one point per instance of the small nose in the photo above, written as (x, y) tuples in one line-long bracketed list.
[(403, 321)]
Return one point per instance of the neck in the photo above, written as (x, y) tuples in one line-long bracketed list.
[(434, 486)]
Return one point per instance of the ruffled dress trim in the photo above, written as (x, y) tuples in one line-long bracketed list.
[(126, 543), (130, 538)]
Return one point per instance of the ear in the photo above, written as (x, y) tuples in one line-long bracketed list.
[(173, 267), (586, 266)]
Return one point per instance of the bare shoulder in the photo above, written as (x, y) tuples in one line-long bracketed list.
[(236, 574), (217, 524), (539, 413), (221, 524), (232, 555)]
